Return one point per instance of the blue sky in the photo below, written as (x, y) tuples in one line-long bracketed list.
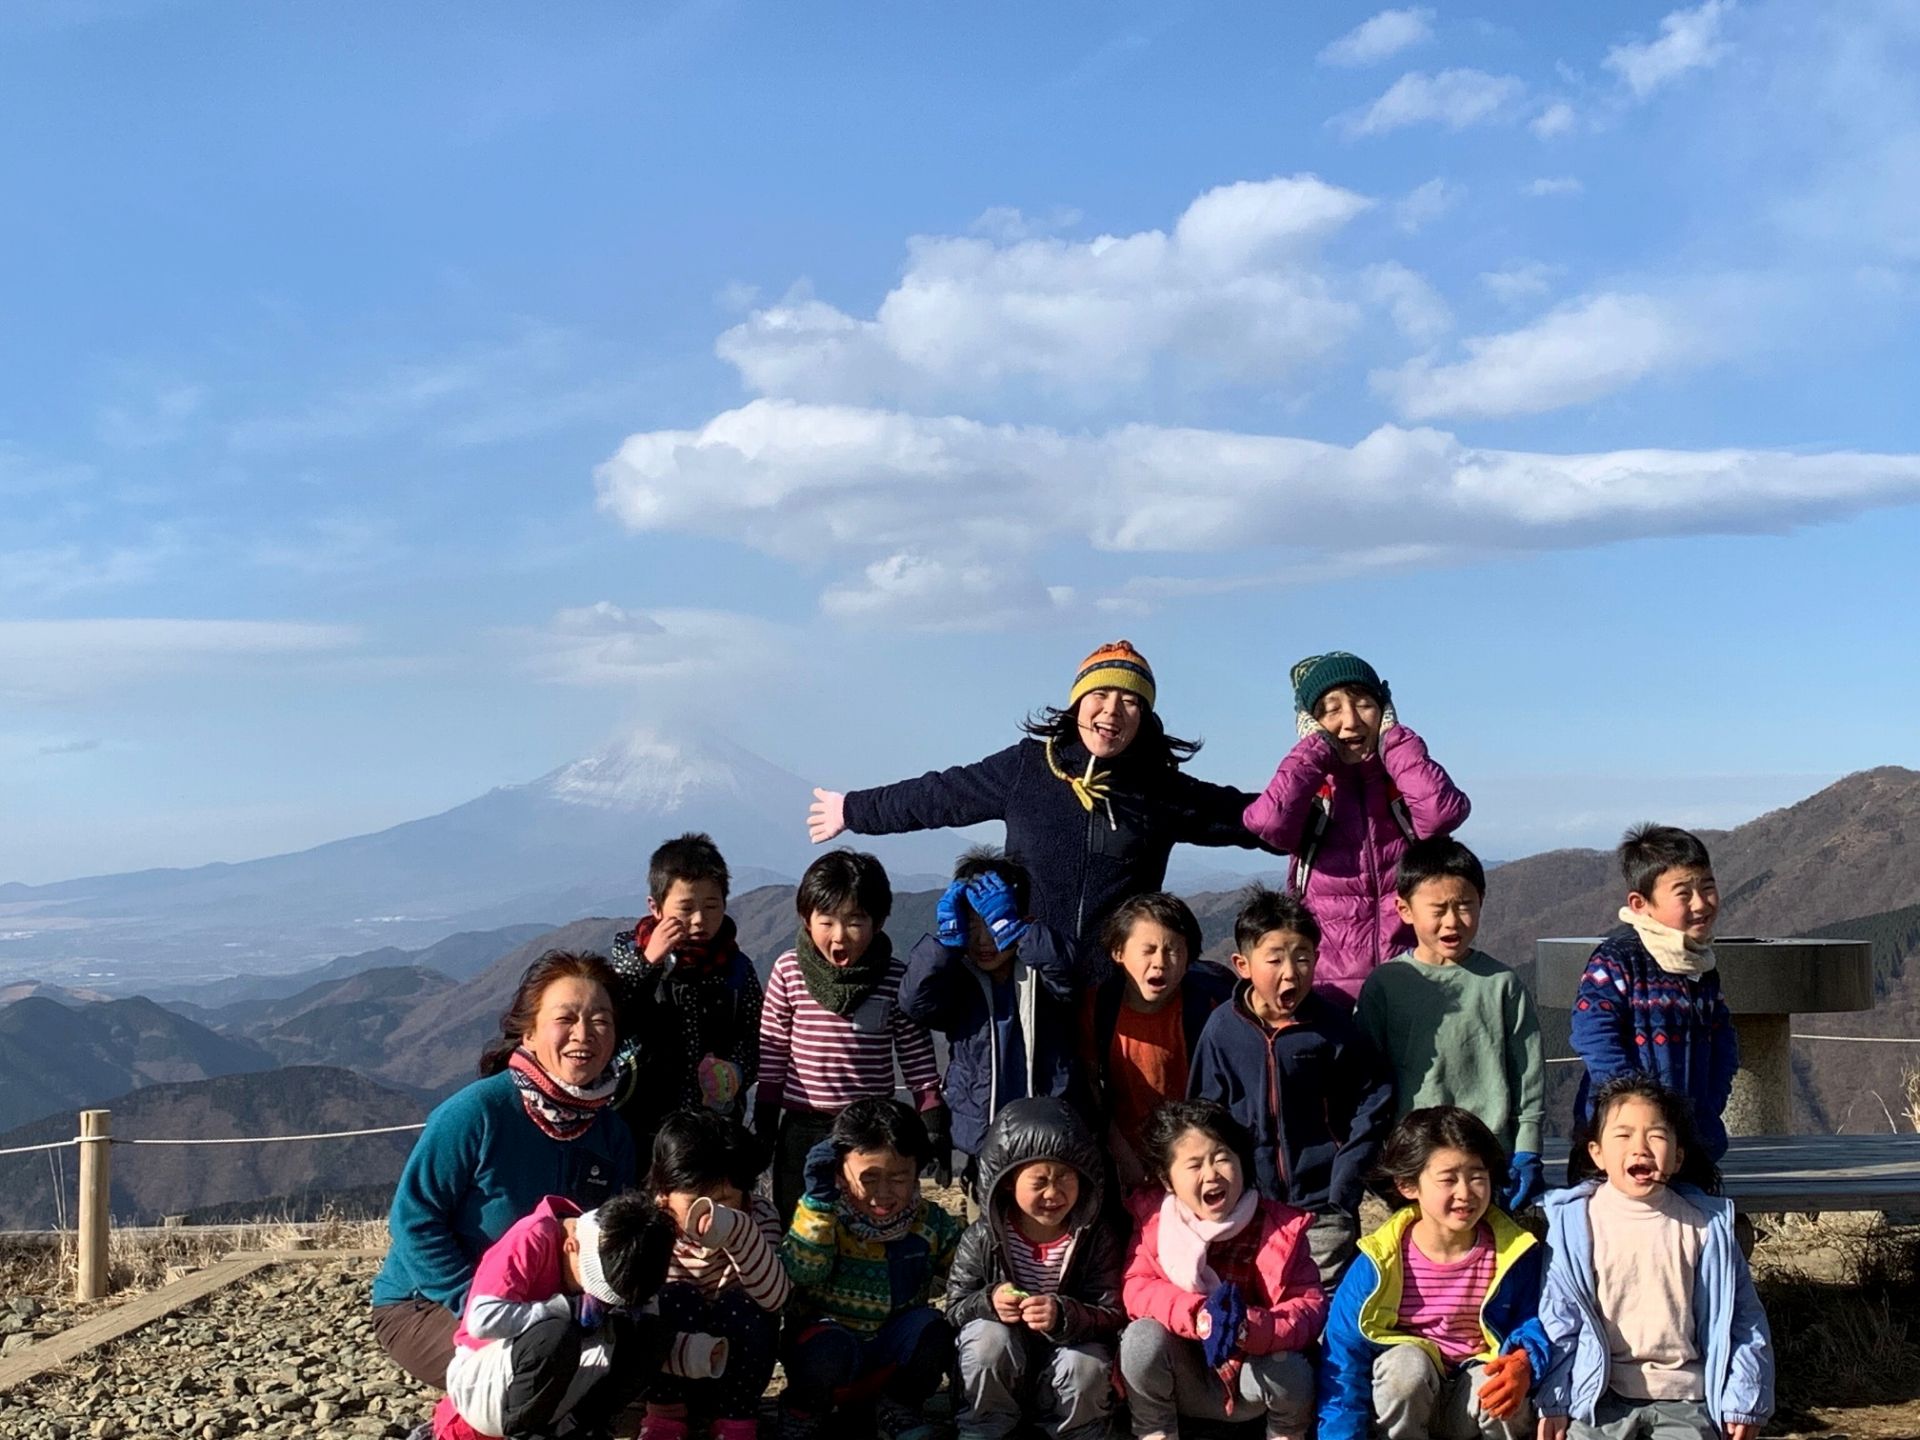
[(397, 401)]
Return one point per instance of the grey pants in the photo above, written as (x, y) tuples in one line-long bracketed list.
[(1412, 1400), (1617, 1418), (1168, 1378), (1333, 1240), (1008, 1373)]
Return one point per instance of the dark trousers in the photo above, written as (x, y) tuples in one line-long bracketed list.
[(830, 1366), (546, 1357), (753, 1339), (800, 1131), (418, 1337)]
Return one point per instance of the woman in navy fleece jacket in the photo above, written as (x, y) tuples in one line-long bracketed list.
[(1093, 798)]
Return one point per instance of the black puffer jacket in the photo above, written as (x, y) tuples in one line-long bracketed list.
[(1089, 1294)]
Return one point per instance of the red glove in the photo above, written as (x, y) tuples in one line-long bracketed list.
[(1507, 1381)]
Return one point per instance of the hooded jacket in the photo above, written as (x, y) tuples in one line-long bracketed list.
[(1083, 862), (1315, 1096), (1368, 810), (1366, 1317), (1729, 1325), (1089, 1294), (945, 991)]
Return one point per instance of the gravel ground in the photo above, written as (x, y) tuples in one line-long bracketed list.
[(287, 1352)]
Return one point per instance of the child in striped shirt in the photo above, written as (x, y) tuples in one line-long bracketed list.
[(1035, 1289), (832, 1025), (724, 1276), (1436, 1328)]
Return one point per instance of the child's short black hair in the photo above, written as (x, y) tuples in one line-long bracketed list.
[(842, 878), (1171, 1120), (1439, 857), (696, 1147), (1169, 911), (882, 1123), (991, 860), (1648, 851), (1263, 910), (692, 857), (1437, 1127), (636, 1240), (1697, 1167)]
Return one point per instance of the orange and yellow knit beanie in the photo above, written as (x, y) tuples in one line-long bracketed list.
[(1114, 667)]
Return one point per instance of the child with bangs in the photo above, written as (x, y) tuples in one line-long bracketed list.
[(1224, 1293), (688, 1001), (1294, 1069), (1655, 1325), (1142, 1024), (1435, 1330), (1456, 1026)]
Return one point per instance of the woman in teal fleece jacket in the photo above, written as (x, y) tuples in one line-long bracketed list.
[(538, 1123)]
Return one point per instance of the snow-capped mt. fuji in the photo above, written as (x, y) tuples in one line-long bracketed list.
[(572, 843)]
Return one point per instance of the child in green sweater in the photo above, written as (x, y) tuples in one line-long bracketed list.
[(864, 1250), (1456, 1025)]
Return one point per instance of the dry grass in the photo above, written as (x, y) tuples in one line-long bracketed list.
[(1910, 1097), (1846, 1329)]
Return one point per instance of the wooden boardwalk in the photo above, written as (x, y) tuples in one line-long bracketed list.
[(1809, 1172)]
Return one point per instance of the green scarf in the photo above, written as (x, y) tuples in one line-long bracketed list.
[(841, 988)]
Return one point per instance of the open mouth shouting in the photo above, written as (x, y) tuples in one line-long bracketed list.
[(1644, 1173), (1213, 1195)]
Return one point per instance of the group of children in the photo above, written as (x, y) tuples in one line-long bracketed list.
[(1164, 1161)]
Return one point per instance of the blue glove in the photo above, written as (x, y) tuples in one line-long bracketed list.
[(992, 900), (1228, 1313), (1525, 1181), (589, 1312), (950, 917), (823, 1175)]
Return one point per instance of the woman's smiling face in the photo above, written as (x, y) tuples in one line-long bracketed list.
[(572, 1035), (1108, 721)]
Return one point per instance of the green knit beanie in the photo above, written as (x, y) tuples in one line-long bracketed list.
[(1314, 676)]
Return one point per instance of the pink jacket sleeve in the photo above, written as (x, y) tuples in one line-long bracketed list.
[(1296, 1322), (1279, 817), (1437, 806), (1149, 1294)]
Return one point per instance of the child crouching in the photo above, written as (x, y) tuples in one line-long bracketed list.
[(1655, 1325), (725, 1275), (547, 1330), (865, 1247), (1223, 1290), (1035, 1291), (1435, 1330)]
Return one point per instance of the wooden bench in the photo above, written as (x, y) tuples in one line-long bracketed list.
[(1776, 1173)]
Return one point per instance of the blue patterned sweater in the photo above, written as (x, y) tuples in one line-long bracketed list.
[(1629, 1014)]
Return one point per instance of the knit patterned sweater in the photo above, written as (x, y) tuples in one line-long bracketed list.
[(862, 1283), (1629, 1014)]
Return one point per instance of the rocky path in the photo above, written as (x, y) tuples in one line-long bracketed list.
[(285, 1352)]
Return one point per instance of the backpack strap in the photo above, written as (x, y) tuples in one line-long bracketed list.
[(1301, 868)]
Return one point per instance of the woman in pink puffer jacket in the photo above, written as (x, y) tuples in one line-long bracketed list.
[(1344, 804)]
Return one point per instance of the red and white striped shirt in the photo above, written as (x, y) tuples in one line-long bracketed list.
[(743, 1248), (813, 1059), (1037, 1266)]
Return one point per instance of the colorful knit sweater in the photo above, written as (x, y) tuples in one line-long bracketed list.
[(862, 1283), (1629, 1014)]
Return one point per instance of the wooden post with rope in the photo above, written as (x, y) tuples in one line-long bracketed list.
[(96, 1186)]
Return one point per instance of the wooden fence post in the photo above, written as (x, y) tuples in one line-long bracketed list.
[(96, 1185)]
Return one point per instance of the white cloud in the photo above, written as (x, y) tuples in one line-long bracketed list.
[(1518, 283), (920, 592), (694, 655), (1689, 40), (1426, 203), (1235, 293), (1550, 186), (1006, 223), (1416, 307), (59, 659), (867, 487), (1456, 99), (1557, 119), (1386, 34), (1574, 354)]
